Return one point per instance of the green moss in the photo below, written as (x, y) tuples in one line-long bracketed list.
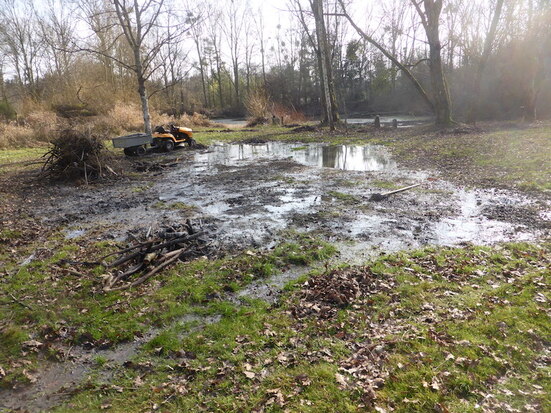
[(341, 196)]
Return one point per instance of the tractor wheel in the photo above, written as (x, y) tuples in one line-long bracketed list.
[(140, 151), (168, 145), (191, 142)]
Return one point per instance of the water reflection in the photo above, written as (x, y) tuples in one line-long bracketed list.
[(343, 157)]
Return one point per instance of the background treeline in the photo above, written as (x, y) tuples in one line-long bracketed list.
[(227, 58)]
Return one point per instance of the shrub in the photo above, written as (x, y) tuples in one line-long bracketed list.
[(13, 136), (7, 112), (258, 104)]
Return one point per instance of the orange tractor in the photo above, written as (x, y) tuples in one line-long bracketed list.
[(137, 144), (167, 139)]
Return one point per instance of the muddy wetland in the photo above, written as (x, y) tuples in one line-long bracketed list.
[(272, 215)]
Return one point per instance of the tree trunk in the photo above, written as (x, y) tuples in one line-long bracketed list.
[(439, 86), (145, 105), (323, 56), (202, 71), (473, 113), (431, 22)]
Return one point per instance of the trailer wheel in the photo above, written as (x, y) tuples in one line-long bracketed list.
[(168, 145), (129, 152), (140, 151)]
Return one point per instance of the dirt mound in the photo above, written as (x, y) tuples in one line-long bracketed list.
[(325, 294)]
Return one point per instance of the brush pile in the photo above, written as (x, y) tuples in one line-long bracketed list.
[(147, 256), (76, 155)]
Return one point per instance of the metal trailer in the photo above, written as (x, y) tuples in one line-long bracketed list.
[(134, 145)]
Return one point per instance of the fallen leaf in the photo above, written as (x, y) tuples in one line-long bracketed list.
[(340, 379)]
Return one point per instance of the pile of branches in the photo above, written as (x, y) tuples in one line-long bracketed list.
[(76, 155), (146, 257)]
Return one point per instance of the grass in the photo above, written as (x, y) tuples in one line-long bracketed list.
[(488, 327), (341, 196), (385, 184), (175, 206), (47, 304), (503, 156)]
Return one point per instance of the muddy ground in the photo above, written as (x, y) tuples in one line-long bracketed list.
[(246, 194), (251, 195)]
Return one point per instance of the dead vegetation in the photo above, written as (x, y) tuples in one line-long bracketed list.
[(75, 155), (154, 253)]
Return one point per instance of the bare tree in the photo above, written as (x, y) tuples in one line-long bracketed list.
[(142, 29), (215, 47), (405, 70), (259, 21), (325, 61), (488, 44), (318, 41), (195, 18), (233, 25), (57, 31), (21, 42), (430, 18)]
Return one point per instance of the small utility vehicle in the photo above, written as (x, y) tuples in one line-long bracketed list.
[(164, 139)]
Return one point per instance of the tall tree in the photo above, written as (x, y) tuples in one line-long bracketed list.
[(233, 25), (430, 19), (22, 43), (195, 19), (328, 90), (488, 44), (141, 27)]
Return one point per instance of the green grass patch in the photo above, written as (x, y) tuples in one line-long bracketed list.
[(48, 301), (458, 324), (341, 196)]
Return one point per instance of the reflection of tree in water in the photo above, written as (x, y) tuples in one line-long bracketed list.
[(329, 156), (344, 157)]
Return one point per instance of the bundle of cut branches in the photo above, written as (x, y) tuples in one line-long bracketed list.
[(146, 257), (75, 155)]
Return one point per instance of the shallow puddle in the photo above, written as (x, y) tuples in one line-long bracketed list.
[(343, 157), (253, 191)]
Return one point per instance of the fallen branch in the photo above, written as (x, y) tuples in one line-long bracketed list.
[(151, 273), (380, 197), (151, 255), (18, 301)]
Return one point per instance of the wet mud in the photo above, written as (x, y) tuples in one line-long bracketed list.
[(249, 195)]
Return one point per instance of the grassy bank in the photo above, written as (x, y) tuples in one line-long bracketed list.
[(434, 330)]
